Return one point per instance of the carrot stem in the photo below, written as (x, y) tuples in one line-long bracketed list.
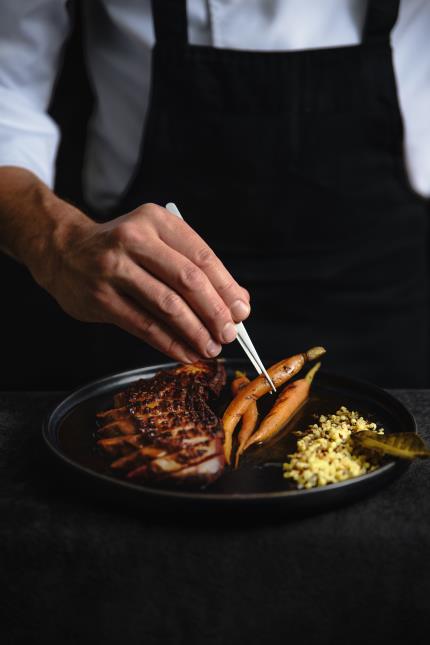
[(311, 374)]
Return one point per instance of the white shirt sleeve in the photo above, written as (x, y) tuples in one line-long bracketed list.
[(411, 37), (32, 33)]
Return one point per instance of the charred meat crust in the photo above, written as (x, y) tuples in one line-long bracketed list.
[(163, 428)]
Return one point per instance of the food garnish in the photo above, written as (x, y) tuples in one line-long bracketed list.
[(280, 373), (249, 418), (406, 445), (286, 405), (327, 453)]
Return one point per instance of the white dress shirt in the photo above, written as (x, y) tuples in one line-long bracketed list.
[(119, 36)]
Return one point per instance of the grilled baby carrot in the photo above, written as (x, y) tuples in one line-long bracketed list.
[(240, 379), (279, 373), (249, 418), (239, 382), (287, 403)]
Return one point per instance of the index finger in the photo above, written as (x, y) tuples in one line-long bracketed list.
[(177, 234)]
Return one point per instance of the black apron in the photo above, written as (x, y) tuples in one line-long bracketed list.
[(290, 165)]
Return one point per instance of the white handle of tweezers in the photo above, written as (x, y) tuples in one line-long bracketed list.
[(242, 335), (247, 346)]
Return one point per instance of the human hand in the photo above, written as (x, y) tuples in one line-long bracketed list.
[(151, 274)]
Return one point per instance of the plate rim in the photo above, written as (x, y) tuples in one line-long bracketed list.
[(83, 393)]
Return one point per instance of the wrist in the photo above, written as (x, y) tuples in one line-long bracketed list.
[(60, 226), (36, 226)]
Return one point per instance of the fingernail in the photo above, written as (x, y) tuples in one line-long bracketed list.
[(229, 332), (240, 310), (192, 358), (212, 348)]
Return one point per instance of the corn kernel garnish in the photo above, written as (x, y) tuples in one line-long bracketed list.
[(326, 452)]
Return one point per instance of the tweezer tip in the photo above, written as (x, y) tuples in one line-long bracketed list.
[(272, 385)]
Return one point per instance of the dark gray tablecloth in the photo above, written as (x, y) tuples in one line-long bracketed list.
[(74, 570)]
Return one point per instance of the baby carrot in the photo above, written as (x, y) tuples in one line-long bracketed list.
[(287, 403), (240, 379), (249, 418), (239, 382), (279, 373)]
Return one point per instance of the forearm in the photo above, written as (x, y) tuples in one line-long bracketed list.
[(34, 222)]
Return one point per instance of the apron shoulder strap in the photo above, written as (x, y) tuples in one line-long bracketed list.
[(380, 19), (170, 20)]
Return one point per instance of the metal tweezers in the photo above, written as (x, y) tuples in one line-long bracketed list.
[(242, 335)]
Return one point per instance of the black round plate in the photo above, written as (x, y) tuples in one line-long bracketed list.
[(69, 434)]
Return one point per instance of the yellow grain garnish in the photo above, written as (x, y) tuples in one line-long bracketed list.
[(326, 452)]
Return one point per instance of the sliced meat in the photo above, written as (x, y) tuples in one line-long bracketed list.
[(163, 428), (205, 471)]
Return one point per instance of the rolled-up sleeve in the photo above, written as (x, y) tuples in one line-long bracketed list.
[(32, 33), (412, 64)]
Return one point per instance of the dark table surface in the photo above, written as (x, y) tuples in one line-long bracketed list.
[(75, 570)]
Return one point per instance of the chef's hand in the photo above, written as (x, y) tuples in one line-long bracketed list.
[(147, 272)]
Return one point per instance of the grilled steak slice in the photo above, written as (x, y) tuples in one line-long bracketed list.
[(163, 428)]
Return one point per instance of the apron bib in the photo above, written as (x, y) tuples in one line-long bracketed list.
[(290, 166)]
